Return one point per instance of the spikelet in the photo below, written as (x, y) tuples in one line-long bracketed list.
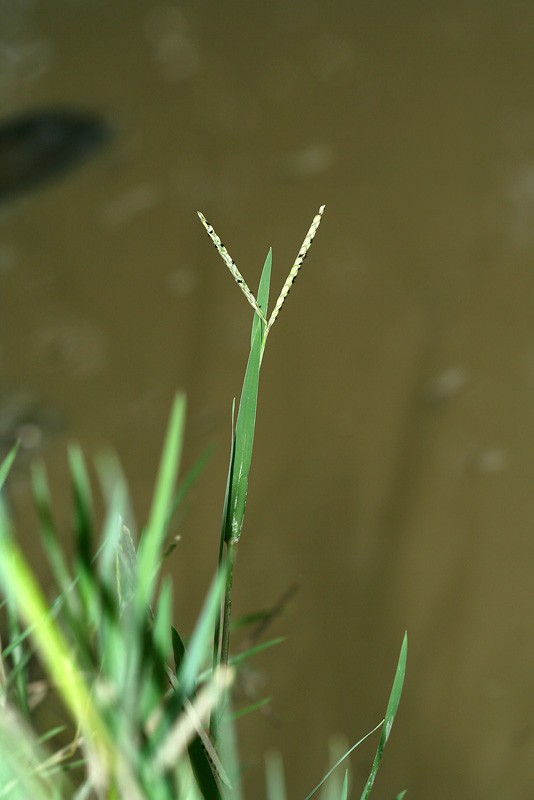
[(306, 244), (230, 263)]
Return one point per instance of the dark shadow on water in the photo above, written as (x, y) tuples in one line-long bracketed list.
[(39, 146)]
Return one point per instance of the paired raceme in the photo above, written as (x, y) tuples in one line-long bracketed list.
[(244, 430), (230, 263)]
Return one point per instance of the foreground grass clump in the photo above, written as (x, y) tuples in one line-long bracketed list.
[(148, 717)]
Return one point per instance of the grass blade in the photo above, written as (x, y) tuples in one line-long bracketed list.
[(162, 627), (274, 772), (391, 711), (246, 419), (20, 585), (19, 661), (244, 712), (152, 538), (195, 656), (344, 791), (238, 659), (7, 463), (83, 508), (53, 550), (336, 765)]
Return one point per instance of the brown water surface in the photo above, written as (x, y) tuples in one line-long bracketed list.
[(393, 465)]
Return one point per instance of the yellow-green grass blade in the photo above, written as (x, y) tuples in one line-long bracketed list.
[(83, 508), (274, 772), (153, 536), (156, 649), (229, 754), (344, 791), (20, 657), (54, 552), (240, 658), (391, 711), (178, 649), (163, 621), (117, 562), (195, 656), (120, 633), (333, 787), (7, 463), (77, 603), (87, 587), (244, 712), (155, 662), (21, 586), (190, 662)]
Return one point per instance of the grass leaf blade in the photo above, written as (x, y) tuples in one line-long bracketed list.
[(7, 463), (246, 418), (150, 545), (391, 711), (347, 754), (193, 659)]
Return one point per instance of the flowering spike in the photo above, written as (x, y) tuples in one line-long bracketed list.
[(230, 263), (306, 244)]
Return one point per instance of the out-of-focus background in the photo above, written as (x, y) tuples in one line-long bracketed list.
[(393, 470)]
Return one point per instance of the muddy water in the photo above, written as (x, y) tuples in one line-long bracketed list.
[(393, 467)]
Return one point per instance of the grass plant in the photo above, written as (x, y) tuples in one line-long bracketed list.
[(148, 712)]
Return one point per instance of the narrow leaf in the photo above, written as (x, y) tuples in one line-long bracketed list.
[(274, 770), (246, 419), (150, 545), (336, 765), (391, 711), (198, 646), (7, 463), (345, 789), (82, 507), (19, 582), (243, 712), (241, 657), (54, 552)]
